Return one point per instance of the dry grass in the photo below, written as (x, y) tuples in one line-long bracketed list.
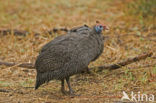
[(129, 36)]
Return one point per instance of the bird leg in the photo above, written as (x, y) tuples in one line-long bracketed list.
[(71, 92), (62, 87), (87, 71)]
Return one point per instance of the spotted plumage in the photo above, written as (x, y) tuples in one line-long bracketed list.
[(68, 55)]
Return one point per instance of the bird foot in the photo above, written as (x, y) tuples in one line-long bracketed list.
[(88, 71), (72, 95), (64, 92), (69, 93)]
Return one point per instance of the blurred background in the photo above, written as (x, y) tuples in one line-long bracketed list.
[(132, 32)]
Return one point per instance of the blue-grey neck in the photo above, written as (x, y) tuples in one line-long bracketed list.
[(98, 29)]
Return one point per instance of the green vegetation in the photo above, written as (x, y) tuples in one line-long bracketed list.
[(144, 8)]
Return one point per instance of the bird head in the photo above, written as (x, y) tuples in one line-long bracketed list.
[(100, 27)]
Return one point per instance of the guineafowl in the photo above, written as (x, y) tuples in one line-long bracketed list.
[(68, 55), (81, 30)]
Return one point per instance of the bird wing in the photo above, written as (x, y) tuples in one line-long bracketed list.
[(52, 59), (55, 41), (58, 54), (82, 30)]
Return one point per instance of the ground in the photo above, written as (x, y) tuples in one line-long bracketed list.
[(129, 35)]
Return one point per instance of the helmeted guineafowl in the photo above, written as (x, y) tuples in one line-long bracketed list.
[(68, 55), (81, 30)]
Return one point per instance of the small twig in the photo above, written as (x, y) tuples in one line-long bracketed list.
[(16, 65), (15, 32), (24, 65), (59, 29), (111, 48), (14, 91), (138, 67), (110, 74), (4, 90), (24, 33), (123, 63)]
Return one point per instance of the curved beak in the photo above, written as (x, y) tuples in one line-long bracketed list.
[(105, 27)]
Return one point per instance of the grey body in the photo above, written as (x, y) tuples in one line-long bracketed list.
[(82, 30), (68, 55)]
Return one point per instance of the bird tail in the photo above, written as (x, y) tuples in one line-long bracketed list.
[(41, 78), (38, 81)]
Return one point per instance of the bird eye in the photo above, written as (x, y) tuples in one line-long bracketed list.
[(101, 26)]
